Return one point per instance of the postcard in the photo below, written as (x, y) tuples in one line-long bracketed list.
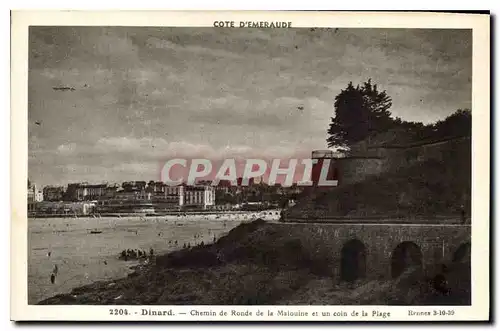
[(250, 166)]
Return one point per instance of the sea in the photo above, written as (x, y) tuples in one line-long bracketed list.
[(82, 257)]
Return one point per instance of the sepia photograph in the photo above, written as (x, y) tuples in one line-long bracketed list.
[(252, 162)]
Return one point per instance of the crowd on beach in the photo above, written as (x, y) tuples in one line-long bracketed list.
[(138, 254), (131, 254)]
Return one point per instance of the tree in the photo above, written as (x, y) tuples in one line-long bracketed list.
[(377, 105), (222, 198), (457, 124), (359, 113)]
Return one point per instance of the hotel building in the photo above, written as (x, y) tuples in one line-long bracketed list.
[(199, 196), (85, 191)]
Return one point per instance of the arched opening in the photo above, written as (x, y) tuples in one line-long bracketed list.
[(462, 254), (353, 261), (406, 255)]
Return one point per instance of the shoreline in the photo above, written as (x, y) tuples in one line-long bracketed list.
[(142, 215)]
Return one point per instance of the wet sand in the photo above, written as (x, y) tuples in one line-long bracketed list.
[(83, 258)]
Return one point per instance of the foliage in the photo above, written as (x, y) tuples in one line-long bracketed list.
[(458, 124), (225, 198), (360, 111)]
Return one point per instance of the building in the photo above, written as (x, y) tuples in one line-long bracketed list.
[(91, 192), (175, 194), (224, 186), (134, 185), (110, 191), (153, 195), (135, 190), (132, 195), (156, 187), (65, 208), (121, 206), (32, 208), (203, 182), (199, 196), (85, 191), (53, 193), (34, 194), (165, 197)]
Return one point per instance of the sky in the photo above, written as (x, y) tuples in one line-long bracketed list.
[(141, 95)]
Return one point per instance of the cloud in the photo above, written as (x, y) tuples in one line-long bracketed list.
[(66, 148), (191, 49), (144, 94)]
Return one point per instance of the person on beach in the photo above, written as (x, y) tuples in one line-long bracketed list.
[(52, 278), (55, 270)]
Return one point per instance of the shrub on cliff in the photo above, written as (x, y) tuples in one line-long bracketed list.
[(248, 244), (197, 257), (241, 231), (225, 249)]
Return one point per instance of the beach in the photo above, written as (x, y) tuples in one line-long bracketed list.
[(83, 257)]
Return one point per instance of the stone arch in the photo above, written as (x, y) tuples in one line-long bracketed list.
[(406, 255), (462, 253), (352, 260)]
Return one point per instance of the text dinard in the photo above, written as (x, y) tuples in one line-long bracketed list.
[(252, 24)]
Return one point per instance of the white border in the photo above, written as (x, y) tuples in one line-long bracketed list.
[(480, 144)]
